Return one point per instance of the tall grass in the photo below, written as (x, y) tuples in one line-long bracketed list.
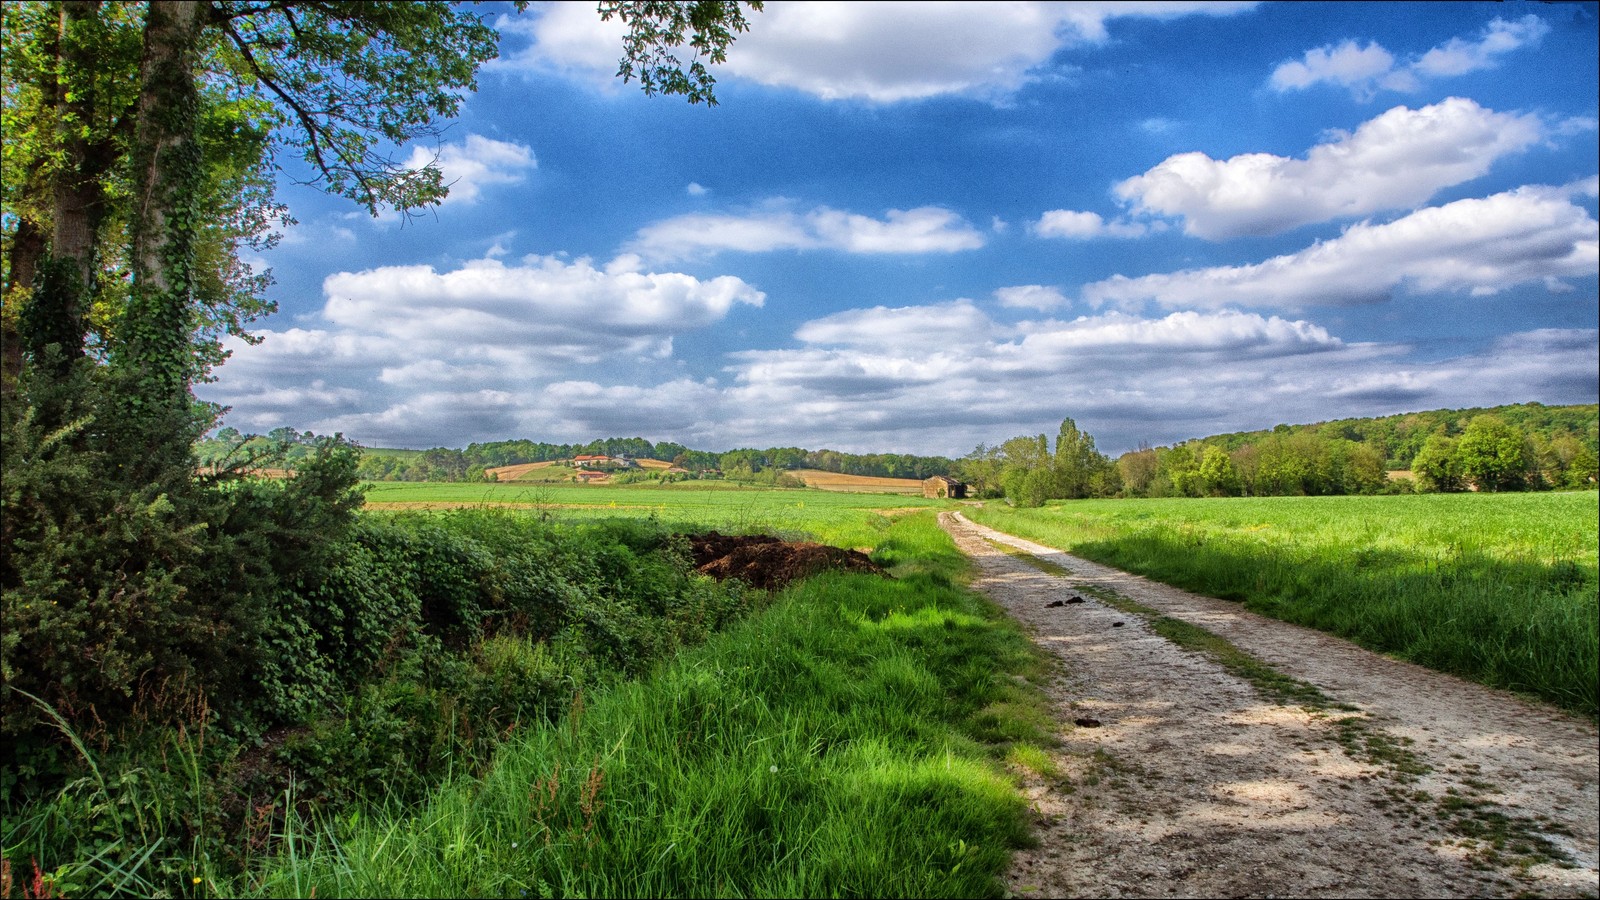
[(1500, 589), (843, 742)]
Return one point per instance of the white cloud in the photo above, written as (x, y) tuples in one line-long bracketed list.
[(696, 189), (475, 164), (317, 234), (1394, 161), (1083, 226), (932, 379), (1030, 296), (1481, 246), (566, 38), (1366, 70), (909, 326), (927, 229), (478, 343), (1124, 378), (546, 300), (1458, 57), (1347, 65), (879, 52)]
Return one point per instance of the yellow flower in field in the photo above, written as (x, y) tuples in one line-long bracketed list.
[(197, 879)]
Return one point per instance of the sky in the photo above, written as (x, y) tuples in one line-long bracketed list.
[(917, 227)]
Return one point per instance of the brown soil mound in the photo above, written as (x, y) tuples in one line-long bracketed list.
[(767, 562)]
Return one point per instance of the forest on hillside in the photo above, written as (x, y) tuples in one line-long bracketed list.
[(1526, 446)]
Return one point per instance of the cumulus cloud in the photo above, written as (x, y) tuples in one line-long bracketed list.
[(475, 164), (1366, 70), (1030, 296), (1458, 57), (1347, 64), (871, 379), (1124, 377), (907, 326), (403, 340), (1481, 246), (1394, 161), (1084, 226), (878, 52), (544, 300), (926, 229)]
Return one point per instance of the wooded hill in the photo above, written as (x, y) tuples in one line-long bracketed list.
[(1400, 437)]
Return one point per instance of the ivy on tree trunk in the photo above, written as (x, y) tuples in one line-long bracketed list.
[(168, 167)]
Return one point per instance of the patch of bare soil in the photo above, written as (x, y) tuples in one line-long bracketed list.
[(768, 562), (1185, 776)]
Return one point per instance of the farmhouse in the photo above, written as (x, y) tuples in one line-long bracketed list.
[(944, 486), (606, 463)]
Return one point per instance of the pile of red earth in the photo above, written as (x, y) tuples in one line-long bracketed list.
[(767, 562)]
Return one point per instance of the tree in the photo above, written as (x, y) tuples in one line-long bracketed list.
[(141, 143), (106, 102), (1217, 473), (980, 469), (1494, 455), (1437, 466), (1138, 470), (1025, 470), (1077, 462)]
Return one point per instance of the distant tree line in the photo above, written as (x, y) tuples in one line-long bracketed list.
[(473, 463), (1511, 448)]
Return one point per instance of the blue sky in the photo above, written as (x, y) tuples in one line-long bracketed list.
[(914, 227)]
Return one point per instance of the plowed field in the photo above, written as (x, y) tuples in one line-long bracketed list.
[(833, 481)]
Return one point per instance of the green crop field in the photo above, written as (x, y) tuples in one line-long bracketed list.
[(1498, 588), (847, 519)]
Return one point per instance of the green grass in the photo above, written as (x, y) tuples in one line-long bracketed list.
[(846, 741), (1500, 589), (845, 519)]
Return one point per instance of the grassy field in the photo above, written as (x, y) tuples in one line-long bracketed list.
[(846, 741), (1498, 588), (844, 518)]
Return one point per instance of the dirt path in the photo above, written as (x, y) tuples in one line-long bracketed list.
[(1401, 782)]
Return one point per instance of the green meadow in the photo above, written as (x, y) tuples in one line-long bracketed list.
[(1497, 588), (837, 517)]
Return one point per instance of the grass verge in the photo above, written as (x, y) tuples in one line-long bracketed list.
[(1500, 589), (846, 741)]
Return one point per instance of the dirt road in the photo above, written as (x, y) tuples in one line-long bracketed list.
[(1197, 771)]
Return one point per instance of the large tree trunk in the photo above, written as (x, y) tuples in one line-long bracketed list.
[(27, 247), (165, 219), (78, 199)]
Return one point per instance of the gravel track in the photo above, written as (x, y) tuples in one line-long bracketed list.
[(1194, 784)]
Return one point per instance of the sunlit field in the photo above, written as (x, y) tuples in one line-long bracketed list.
[(831, 516), (1499, 588)]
